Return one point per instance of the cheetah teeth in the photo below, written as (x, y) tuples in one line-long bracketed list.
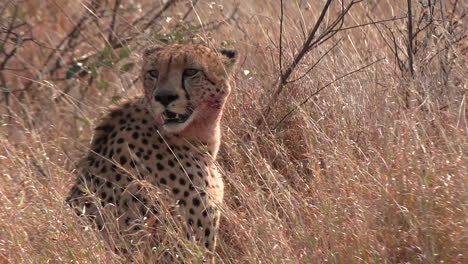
[(171, 117)]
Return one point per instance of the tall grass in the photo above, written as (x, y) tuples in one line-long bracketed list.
[(370, 170)]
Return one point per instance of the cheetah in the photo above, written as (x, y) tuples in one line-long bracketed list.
[(151, 160)]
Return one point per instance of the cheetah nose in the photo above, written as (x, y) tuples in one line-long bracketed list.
[(165, 98)]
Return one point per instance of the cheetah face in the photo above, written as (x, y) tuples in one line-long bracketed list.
[(186, 84)]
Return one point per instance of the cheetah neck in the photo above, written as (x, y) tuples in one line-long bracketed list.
[(206, 127), (205, 131)]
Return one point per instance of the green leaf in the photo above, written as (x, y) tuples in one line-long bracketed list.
[(93, 70), (124, 53), (127, 67), (73, 70), (84, 120), (70, 253), (85, 140), (103, 84), (178, 36), (106, 52), (116, 98), (106, 63)]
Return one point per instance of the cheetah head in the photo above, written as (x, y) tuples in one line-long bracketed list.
[(186, 85)]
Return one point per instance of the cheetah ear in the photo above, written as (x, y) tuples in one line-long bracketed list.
[(151, 50), (229, 58)]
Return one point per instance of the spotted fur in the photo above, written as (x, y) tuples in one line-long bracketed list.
[(151, 162)]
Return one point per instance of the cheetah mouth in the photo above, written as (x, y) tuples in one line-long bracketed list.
[(170, 117)]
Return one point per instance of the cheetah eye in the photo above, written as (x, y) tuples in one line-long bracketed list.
[(154, 74), (190, 72)]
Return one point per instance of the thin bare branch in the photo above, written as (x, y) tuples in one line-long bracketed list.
[(158, 15), (280, 52), (372, 23), (311, 42), (317, 62), (322, 88), (110, 38), (192, 7), (410, 38), (304, 49)]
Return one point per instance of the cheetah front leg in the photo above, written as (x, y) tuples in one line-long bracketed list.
[(202, 222)]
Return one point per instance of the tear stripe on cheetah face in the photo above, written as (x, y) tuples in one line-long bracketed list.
[(185, 85)]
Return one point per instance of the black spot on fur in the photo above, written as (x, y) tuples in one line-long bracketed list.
[(231, 54), (182, 181), (172, 176), (106, 128), (170, 163), (117, 113), (149, 169), (118, 177), (159, 166)]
